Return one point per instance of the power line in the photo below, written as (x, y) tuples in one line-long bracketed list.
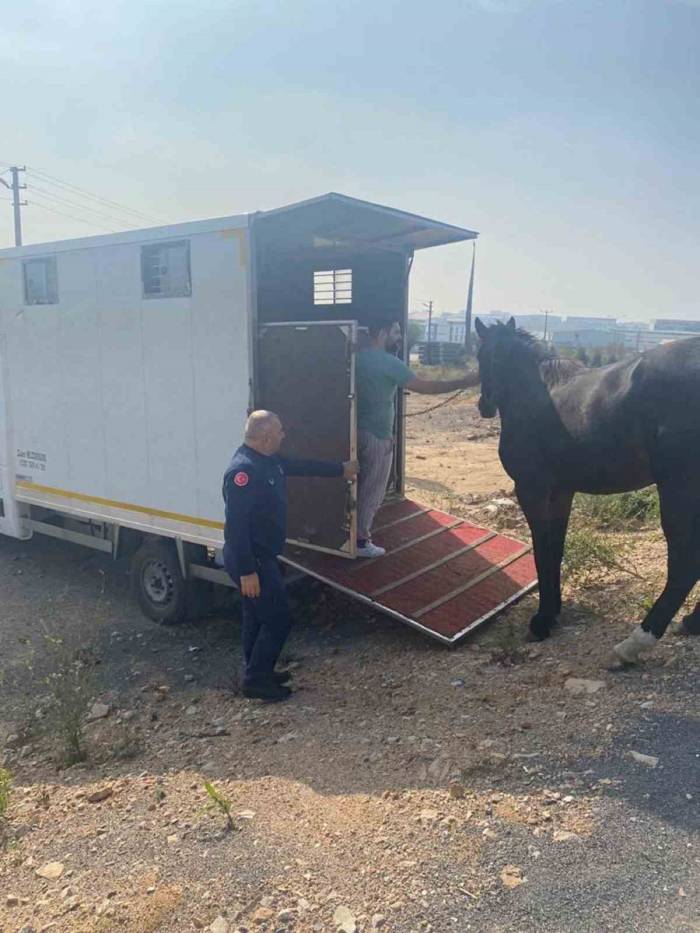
[(93, 197), (82, 207), (82, 220), (53, 210), (88, 194)]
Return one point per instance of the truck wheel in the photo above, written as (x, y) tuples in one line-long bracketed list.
[(158, 585)]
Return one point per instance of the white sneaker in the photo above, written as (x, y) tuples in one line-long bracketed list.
[(370, 550)]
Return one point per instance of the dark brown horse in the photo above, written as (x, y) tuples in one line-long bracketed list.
[(607, 430)]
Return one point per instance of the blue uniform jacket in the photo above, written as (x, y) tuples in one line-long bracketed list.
[(255, 493)]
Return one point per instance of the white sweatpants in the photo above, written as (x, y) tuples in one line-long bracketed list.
[(375, 455)]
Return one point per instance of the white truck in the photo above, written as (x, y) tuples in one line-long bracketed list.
[(128, 363)]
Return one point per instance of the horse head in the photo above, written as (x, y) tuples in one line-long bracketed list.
[(494, 348)]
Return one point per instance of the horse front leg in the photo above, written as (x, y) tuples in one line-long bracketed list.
[(559, 514), (547, 513)]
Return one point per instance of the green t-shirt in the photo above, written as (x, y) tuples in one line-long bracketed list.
[(377, 376)]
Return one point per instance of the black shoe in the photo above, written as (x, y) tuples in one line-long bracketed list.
[(282, 677), (267, 690)]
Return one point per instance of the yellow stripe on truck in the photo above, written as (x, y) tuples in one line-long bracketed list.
[(113, 504)]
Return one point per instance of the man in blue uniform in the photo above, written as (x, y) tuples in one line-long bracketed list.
[(255, 494)]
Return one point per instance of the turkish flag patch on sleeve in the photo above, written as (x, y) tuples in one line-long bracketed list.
[(241, 479)]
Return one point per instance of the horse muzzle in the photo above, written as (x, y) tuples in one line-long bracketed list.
[(487, 408)]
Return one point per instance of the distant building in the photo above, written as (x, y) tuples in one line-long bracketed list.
[(571, 331), (633, 340), (446, 330), (580, 322), (634, 326), (585, 337), (669, 325), (538, 324)]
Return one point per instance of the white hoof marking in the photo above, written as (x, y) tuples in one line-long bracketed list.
[(628, 651)]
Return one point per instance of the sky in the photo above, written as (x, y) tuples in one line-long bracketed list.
[(565, 131)]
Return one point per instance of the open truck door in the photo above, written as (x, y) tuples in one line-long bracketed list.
[(306, 375)]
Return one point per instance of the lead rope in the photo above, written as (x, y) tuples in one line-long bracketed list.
[(424, 411)]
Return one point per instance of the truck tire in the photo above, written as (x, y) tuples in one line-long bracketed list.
[(158, 585)]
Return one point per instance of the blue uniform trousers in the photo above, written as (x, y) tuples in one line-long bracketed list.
[(266, 620)]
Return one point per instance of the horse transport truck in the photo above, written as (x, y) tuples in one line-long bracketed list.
[(128, 364)]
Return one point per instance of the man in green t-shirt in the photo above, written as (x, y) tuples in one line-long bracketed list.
[(378, 375)]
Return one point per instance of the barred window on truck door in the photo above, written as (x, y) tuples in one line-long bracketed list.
[(165, 270), (40, 281)]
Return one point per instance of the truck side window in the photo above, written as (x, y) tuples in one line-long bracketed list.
[(40, 281), (165, 269)]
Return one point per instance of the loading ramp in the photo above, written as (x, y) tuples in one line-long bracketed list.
[(441, 575)]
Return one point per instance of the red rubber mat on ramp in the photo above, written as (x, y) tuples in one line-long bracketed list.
[(442, 575)]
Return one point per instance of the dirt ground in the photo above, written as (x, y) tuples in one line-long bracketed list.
[(451, 453), (404, 788)]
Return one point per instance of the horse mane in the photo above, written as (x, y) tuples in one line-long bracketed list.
[(558, 370), (555, 370)]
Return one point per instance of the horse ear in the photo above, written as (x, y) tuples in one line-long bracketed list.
[(480, 328), (511, 324)]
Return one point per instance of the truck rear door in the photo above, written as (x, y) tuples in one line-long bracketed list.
[(306, 374)]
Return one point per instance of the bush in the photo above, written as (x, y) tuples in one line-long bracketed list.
[(70, 685), (620, 511), (441, 372), (416, 333), (588, 557)]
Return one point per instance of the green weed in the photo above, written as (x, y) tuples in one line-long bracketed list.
[(507, 644), (221, 804), (5, 792)]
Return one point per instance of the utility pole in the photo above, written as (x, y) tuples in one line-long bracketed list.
[(468, 308), (429, 305), (15, 188)]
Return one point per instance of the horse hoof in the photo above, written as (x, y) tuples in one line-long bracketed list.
[(541, 627), (690, 625), (616, 663)]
